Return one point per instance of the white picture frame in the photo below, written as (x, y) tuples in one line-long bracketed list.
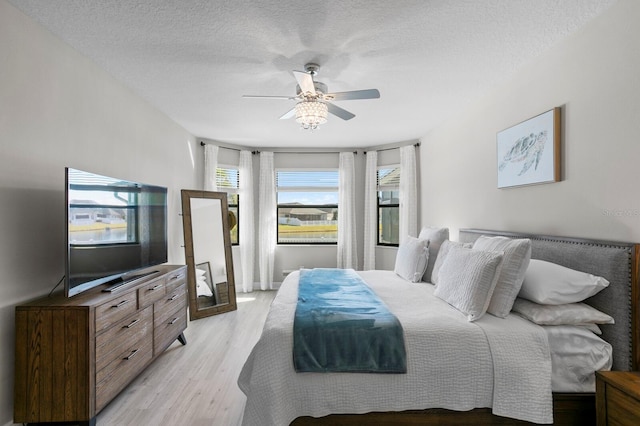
[(529, 152)]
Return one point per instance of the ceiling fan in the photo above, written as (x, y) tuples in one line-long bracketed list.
[(313, 99)]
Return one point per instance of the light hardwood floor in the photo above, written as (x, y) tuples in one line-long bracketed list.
[(196, 384)]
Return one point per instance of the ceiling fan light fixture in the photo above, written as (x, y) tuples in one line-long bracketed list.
[(311, 114), (314, 102)]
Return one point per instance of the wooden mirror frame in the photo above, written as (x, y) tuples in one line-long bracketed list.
[(194, 311)]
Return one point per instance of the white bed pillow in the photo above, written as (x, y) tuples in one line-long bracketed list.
[(202, 289), (442, 255), (467, 278), (411, 259), (552, 284), (567, 314), (517, 253), (594, 328), (576, 354), (435, 236)]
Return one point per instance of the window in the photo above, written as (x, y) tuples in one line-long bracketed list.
[(103, 215), (388, 186), (307, 206), (227, 180)]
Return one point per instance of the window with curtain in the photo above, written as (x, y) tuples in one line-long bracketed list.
[(227, 180), (388, 188), (307, 206)]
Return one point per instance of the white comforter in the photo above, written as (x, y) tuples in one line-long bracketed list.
[(451, 363)]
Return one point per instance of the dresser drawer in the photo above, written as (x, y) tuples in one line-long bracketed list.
[(151, 291), (124, 334), (125, 367), (176, 279), (622, 409), (169, 305), (168, 330), (115, 310), (618, 398)]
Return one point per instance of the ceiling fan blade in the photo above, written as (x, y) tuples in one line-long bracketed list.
[(267, 97), (354, 94), (289, 114), (305, 81), (339, 112)]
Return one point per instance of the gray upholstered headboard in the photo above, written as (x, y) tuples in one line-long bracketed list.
[(615, 261)]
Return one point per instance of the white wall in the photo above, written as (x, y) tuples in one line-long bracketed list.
[(59, 109), (595, 77)]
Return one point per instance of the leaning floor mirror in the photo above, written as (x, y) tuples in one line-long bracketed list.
[(207, 246)]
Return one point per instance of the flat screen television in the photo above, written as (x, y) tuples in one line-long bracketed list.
[(114, 228)]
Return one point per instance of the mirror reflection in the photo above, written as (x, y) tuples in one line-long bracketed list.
[(208, 252)]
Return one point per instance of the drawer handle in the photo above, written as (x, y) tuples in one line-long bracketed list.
[(124, 302), (175, 277), (173, 321), (156, 287), (131, 355), (134, 322), (174, 297)]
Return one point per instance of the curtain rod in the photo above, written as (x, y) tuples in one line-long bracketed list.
[(306, 152), (283, 152), (219, 146), (417, 144)]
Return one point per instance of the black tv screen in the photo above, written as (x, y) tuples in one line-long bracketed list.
[(114, 227)]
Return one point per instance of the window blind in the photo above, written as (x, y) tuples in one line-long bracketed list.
[(307, 180), (227, 179), (388, 178)]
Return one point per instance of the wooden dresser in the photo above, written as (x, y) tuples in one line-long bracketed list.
[(618, 398), (74, 355)]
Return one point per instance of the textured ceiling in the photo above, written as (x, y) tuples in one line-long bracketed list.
[(194, 59)]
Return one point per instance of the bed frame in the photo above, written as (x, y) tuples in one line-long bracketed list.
[(617, 262)]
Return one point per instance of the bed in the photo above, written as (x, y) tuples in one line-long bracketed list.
[(285, 393)]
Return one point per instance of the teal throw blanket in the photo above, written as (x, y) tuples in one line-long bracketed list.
[(341, 325)]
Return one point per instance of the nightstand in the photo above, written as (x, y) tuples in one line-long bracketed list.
[(618, 398)]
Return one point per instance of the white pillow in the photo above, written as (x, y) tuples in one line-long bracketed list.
[(576, 354), (412, 258), (467, 278), (200, 273), (567, 314), (202, 289), (435, 236), (517, 253), (552, 284), (442, 255), (591, 327)]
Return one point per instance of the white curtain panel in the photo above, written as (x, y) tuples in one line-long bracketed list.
[(370, 211), (210, 166), (247, 224), (408, 193), (347, 246), (268, 220)]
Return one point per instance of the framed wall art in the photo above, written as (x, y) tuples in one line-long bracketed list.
[(529, 152)]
